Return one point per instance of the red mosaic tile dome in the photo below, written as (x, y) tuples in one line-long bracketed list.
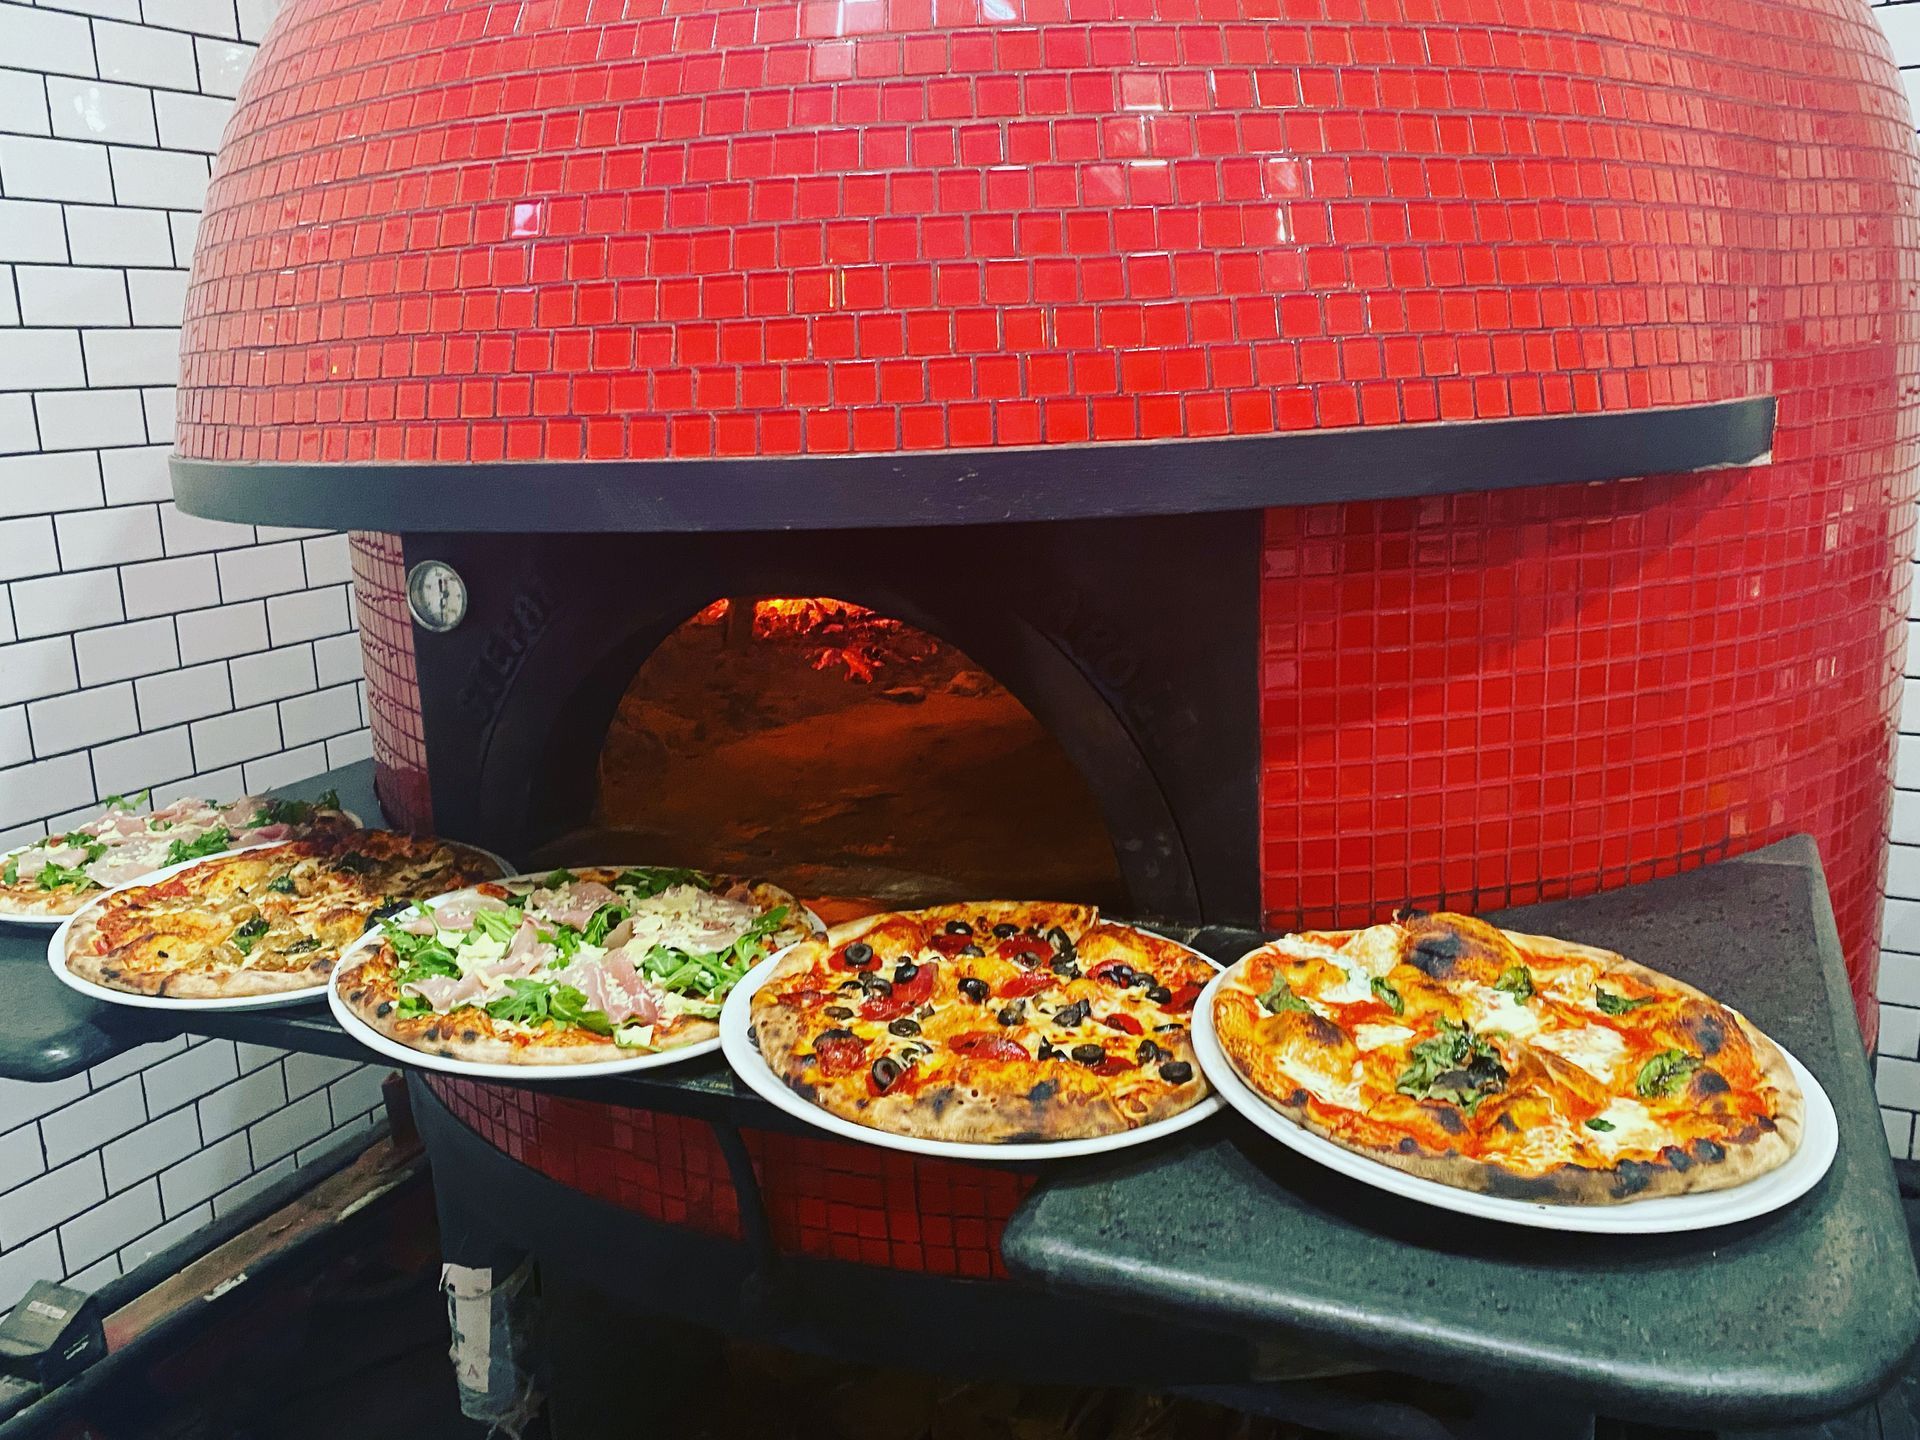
[(626, 229)]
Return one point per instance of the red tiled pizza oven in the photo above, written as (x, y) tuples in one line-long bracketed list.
[(464, 233)]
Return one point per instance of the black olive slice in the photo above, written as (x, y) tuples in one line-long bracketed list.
[(1176, 1072), (1089, 1054), (1148, 1052), (835, 1034), (1065, 965), (973, 951), (959, 927), (1012, 1013), (1121, 975), (851, 987), (904, 971), (838, 1012), (1074, 1014), (858, 953), (878, 986), (975, 990), (1159, 994), (885, 1071), (1060, 940), (1047, 1052), (904, 1027), (1004, 931)]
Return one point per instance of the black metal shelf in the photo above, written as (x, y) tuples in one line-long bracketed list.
[(981, 487)]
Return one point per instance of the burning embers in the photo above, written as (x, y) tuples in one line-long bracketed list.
[(851, 638), (842, 752)]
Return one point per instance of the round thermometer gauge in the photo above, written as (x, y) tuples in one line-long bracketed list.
[(437, 595)]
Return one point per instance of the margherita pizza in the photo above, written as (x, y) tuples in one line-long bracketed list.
[(262, 922), (56, 876), (993, 1021), (581, 965), (1512, 1064)]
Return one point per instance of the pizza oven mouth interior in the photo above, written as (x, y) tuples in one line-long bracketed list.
[(844, 753)]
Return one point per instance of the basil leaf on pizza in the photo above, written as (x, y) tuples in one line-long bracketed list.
[(988, 1022), (580, 964), (1518, 1064)]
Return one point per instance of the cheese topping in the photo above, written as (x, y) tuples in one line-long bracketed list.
[(1323, 1087), (1490, 1010), (1372, 1037), (1632, 1128), (1594, 1048)]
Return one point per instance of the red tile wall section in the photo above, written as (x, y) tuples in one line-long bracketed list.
[(461, 230), (393, 683)]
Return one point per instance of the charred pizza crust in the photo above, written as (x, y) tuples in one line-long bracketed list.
[(979, 1069), (1723, 1130), (369, 986), (177, 937)]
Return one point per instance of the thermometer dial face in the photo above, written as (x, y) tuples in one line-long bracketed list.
[(437, 595)]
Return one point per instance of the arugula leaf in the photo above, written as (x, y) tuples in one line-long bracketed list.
[(294, 812), (1611, 1004), (421, 956), (496, 924), (1389, 996), (246, 936), (414, 1005), (563, 938), (1666, 1073), (211, 843), (79, 838), (58, 877), (127, 802), (541, 1002), (10, 872), (604, 920), (556, 878), (647, 881), (1454, 1065), (1280, 997), (1517, 981), (1598, 1124)]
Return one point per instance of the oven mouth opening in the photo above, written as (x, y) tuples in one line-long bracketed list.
[(846, 754)]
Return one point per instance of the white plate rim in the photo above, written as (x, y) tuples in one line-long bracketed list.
[(1664, 1214), (736, 1019), (57, 949), (481, 1070), (50, 922)]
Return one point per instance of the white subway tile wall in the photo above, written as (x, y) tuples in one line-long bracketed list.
[(139, 646)]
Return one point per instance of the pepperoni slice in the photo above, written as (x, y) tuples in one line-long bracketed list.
[(985, 1045), (1126, 1024), (1183, 999), (1024, 949), (1113, 1065), (906, 995), (1029, 983), (950, 945), (840, 1054)]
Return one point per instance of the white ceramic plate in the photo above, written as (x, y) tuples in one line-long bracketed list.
[(1819, 1141), (406, 1054), (57, 952), (52, 922), (735, 1038)]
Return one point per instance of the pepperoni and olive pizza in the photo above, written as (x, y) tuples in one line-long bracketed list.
[(264, 921), (986, 1022), (1517, 1065)]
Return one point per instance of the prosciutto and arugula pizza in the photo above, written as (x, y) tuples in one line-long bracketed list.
[(54, 877), (987, 1022), (265, 921), (580, 965), (1512, 1064)]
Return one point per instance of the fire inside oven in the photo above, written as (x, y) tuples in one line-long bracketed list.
[(845, 753)]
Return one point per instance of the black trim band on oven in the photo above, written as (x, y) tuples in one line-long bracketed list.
[(978, 487)]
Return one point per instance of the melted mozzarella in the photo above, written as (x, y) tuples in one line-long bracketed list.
[(1633, 1129), (1594, 1048), (1375, 950), (1330, 1089), (1355, 984), (1490, 1009), (1372, 1037)]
